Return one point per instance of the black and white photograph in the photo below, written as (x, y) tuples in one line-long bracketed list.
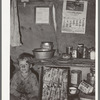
[(52, 50), (77, 6)]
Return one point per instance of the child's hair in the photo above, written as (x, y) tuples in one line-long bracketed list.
[(26, 56)]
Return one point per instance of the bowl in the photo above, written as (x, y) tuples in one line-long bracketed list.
[(66, 56), (72, 90), (42, 53)]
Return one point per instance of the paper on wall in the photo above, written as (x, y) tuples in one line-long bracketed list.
[(42, 15)]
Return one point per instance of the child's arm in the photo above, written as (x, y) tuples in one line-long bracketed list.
[(35, 87), (13, 86)]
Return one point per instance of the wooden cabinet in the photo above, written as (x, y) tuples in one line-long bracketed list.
[(74, 64), (78, 64)]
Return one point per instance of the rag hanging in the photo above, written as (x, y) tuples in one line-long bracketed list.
[(55, 27), (54, 18), (14, 25)]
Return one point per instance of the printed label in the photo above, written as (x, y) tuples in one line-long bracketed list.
[(74, 78)]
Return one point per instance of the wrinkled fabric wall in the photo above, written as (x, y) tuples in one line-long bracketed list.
[(32, 34)]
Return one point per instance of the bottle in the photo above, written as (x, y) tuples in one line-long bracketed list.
[(69, 50), (92, 55), (91, 79), (80, 50), (85, 52)]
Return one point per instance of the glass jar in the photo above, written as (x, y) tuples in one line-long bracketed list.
[(92, 55), (69, 50)]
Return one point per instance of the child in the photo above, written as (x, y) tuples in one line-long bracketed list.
[(24, 84)]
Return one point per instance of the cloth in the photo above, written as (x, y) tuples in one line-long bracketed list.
[(24, 86), (12, 97), (14, 25), (54, 18)]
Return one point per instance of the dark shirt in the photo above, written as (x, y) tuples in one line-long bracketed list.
[(21, 85)]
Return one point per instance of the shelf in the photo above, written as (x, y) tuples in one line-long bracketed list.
[(55, 61)]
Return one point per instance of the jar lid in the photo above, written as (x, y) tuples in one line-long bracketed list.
[(80, 44)]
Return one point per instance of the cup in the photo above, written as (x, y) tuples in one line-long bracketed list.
[(72, 90)]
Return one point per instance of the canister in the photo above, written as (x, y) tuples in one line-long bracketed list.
[(76, 77)]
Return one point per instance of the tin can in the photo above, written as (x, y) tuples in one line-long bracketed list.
[(80, 50), (76, 77), (74, 53)]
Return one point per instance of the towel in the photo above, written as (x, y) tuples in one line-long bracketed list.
[(14, 25)]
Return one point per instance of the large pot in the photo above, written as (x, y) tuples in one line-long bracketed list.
[(41, 53)]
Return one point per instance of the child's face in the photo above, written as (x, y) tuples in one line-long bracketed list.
[(24, 66)]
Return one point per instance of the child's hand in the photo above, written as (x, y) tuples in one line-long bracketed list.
[(23, 98)]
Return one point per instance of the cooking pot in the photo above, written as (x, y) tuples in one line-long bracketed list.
[(42, 53), (47, 45)]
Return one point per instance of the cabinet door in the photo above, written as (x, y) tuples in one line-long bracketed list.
[(54, 82)]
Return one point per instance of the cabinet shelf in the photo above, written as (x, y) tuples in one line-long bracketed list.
[(55, 61)]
